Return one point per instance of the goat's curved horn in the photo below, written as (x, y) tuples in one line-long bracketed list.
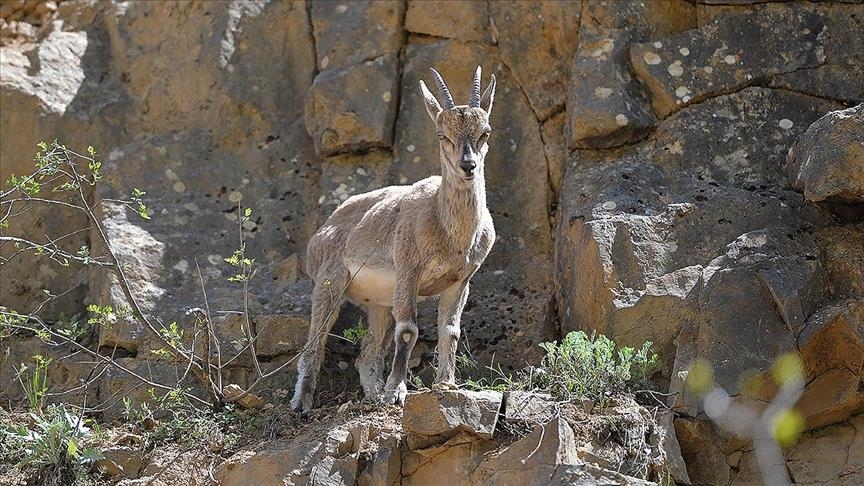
[(447, 99), (474, 100)]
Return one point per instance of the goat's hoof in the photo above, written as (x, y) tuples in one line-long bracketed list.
[(396, 396)]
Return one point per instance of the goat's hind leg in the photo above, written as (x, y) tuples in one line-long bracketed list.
[(326, 303), (376, 344)]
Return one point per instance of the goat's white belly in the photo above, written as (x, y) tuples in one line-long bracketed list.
[(372, 285)]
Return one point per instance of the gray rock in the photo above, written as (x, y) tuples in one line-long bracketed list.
[(722, 139), (731, 52), (447, 413), (353, 109), (827, 161), (530, 407), (605, 105), (636, 247), (841, 77)]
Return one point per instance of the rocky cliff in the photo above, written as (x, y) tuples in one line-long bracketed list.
[(685, 172)]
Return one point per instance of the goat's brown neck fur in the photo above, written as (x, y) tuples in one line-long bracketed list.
[(461, 205)]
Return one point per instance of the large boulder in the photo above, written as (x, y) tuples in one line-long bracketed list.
[(827, 161)]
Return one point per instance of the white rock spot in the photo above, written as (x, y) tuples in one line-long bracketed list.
[(171, 175), (786, 124), (181, 266), (708, 69), (235, 197), (386, 96), (675, 69), (161, 150), (325, 62), (684, 51), (179, 186), (410, 148), (609, 205), (730, 59), (602, 92), (651, 58), (657, 45), (621, 120), (341, 9), (682, 91)]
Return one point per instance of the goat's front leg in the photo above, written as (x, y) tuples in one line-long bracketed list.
[(405, 314), (450, 306)]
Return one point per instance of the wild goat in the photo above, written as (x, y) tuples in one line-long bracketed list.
[(391, 247)]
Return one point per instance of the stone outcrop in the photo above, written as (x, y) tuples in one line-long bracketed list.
[(827, 160)]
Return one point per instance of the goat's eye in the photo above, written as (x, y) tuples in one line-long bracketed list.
[(483, 138), (444, 138)]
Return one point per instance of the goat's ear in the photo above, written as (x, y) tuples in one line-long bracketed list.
[(432, 106), (488, 97)]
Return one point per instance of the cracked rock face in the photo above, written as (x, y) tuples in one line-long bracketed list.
[(639, 175)]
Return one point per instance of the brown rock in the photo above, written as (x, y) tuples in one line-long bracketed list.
[(605, 106), (730, 52), (706, 463), (832, 349), (351, 33), (555, 146), (280, 335), (353, 109), (842, 251), (672, 449), (537, 41), (832, 455), (450, 463), (250, 400), (660, 17), (385, 465), (827, 161), (120, 461), (444, 414), (457, 19), (532, 460)]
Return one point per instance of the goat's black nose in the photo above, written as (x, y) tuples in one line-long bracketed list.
[(468, 166)]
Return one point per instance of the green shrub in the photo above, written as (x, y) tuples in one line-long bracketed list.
[(54, 446), (583, 367)]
